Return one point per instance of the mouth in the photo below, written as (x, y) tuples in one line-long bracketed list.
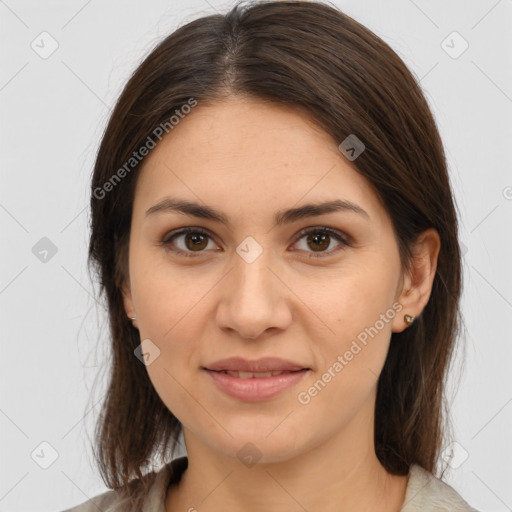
[(255, 386)]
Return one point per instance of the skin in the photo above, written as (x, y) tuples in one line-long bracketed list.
[(250, 159)]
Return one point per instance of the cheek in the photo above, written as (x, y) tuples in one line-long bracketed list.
[(175, 371), (351, 330), (171, 308), (166, 296), (349, 303), (351, 362)]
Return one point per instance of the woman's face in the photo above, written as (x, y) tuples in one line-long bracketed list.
[(254, 288)]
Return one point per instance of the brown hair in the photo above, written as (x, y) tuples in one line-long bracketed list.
[(307, 55)]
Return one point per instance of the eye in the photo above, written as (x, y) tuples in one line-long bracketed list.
[(196, 240), (321, 238)]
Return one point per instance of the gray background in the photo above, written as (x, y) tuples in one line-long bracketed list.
[(53, 333)]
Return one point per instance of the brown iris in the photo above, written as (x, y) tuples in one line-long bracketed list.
[(198, 241), (319, 239)]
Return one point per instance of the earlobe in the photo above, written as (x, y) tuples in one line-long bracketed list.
[(128, 305), (409, 300), (127, 301), (417, 284)]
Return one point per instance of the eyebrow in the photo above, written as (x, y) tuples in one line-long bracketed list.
[(169, 204)]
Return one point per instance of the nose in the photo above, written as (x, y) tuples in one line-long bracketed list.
[(254, 299)]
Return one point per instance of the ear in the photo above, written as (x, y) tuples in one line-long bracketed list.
[(128, 303), (417, 283)]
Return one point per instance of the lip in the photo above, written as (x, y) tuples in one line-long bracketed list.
[(265, 364), (257, 388)]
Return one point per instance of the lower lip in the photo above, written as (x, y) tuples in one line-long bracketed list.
[(258, 388)]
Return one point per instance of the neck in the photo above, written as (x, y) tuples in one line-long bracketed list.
[(338, 475)]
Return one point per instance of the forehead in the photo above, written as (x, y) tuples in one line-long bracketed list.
[(244, 152)]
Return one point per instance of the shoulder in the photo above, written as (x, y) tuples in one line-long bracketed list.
[(425, 492), (102, 502), (154, 501)]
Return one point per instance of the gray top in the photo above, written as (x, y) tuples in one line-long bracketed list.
[(424, 493)]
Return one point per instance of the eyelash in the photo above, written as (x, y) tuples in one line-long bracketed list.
[(323, 230)]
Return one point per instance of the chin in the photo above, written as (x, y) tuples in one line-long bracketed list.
[(259, 448)]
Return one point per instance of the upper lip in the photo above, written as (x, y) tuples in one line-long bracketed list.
[(265, 364)]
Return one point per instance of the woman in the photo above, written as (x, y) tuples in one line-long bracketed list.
[(274, 231)]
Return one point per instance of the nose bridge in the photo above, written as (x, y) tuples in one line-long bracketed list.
[(253, 301), (252, 262), (255, 277), (253, 281)]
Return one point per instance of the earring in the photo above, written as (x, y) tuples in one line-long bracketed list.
[(408, 319), (134, 318)]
